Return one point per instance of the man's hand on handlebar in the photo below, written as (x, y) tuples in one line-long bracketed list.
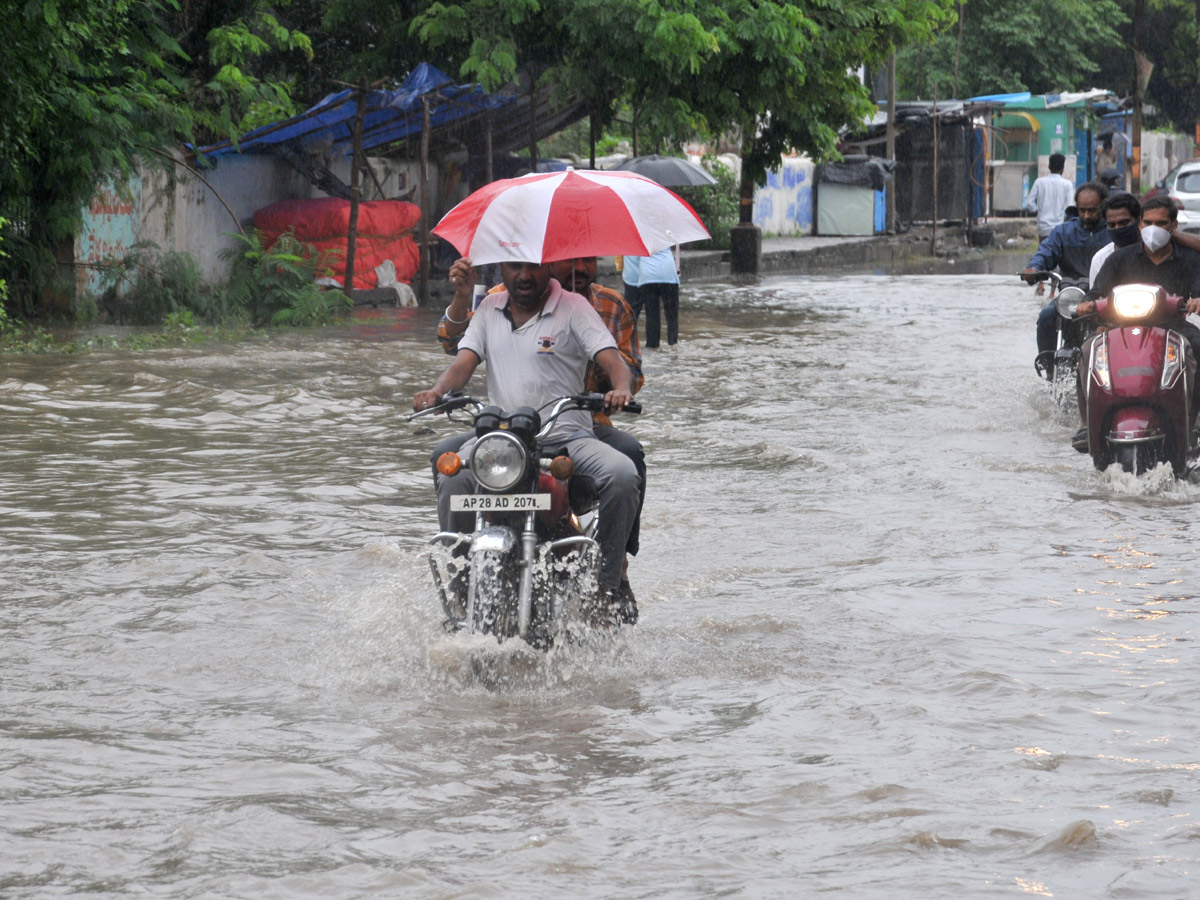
[(1028, 275), (1086, 308), (1193, 306), (425, 399), (616, 399)]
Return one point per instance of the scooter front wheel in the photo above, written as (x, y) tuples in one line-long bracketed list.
[(1139, 458)]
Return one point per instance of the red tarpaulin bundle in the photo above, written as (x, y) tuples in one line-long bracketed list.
[(384, 233)]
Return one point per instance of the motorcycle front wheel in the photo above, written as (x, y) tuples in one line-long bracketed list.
[(493, 602), (1062, 388)]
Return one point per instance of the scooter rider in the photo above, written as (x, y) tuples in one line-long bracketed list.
[(537, 340), (1154, 259), (1069, 248)]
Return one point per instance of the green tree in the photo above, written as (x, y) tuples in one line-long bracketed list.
[(1042, 46), (779, 72), (85, 83), (1171, 46)]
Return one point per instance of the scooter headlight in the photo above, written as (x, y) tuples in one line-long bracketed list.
[(1100, 363), (1135, 301), (498, 461), (1173, 360)]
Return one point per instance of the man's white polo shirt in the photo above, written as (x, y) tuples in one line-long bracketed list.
[(544, 359)]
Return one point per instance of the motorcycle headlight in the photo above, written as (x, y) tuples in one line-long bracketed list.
[(1067, 300), (1100, 363), (1134, 301), (1173, 360), (498, 461)]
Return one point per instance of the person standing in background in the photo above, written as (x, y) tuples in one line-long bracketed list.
[(1050, 196), (628, 266), (658, 285)]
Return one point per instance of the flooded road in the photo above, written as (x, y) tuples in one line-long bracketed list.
[(898, 639)]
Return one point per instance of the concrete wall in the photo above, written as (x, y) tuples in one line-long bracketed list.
[(170, 207), (1161, 153), (784, 205)]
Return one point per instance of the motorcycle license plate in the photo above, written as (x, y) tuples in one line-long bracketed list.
[(499, 502)]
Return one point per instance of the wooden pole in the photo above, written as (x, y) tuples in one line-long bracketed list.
[(958, 47), (533, 148), (1139, 50), (936, 137), (1196, 151), (355, 190), (491, 175), (592, 136), (890, 187), (425, 210)]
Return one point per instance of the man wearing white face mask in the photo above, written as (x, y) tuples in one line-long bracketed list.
[(1155, 259)]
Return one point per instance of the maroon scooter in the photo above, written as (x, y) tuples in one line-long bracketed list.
[(1136, 387)]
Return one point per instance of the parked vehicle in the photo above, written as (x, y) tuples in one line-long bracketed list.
[(1182, 184), (1137, 393), (528, 568)]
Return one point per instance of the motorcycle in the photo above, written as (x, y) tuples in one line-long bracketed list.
[(528, 569), (1064, 372), (1137, 388)]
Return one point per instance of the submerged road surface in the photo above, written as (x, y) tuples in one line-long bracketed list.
[(898, 639)]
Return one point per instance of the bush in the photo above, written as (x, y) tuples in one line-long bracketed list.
[(716, 204), (35, 284), (146, 286), (276, 286)]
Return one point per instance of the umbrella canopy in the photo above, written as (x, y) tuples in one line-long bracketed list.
[(542, 217), (669, 171)]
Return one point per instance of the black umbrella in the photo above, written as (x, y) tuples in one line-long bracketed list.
[(669, 171)]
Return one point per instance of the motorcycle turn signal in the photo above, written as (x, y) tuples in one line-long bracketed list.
[(449, 463), (561, 467)]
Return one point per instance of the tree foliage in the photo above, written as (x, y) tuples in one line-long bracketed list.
[(85, 83), (779, 71), (1040, 46)]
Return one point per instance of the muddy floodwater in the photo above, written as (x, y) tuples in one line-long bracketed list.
[(898, 639)]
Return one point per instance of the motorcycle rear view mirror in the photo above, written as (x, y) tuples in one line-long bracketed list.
[(1068, 301)]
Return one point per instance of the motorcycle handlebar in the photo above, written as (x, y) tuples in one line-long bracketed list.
[(446, 404), (594, 402)]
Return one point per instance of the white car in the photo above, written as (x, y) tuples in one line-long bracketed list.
[(1182, 184)]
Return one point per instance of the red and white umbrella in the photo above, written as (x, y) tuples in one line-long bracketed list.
[(546, 216)]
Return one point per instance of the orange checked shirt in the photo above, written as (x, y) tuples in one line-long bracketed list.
[(616, 314)]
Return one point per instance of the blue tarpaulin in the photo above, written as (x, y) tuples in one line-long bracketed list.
[(389, 116)]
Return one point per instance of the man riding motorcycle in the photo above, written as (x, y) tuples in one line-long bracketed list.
[(1069, 248), (578, 276), (537, 340)]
